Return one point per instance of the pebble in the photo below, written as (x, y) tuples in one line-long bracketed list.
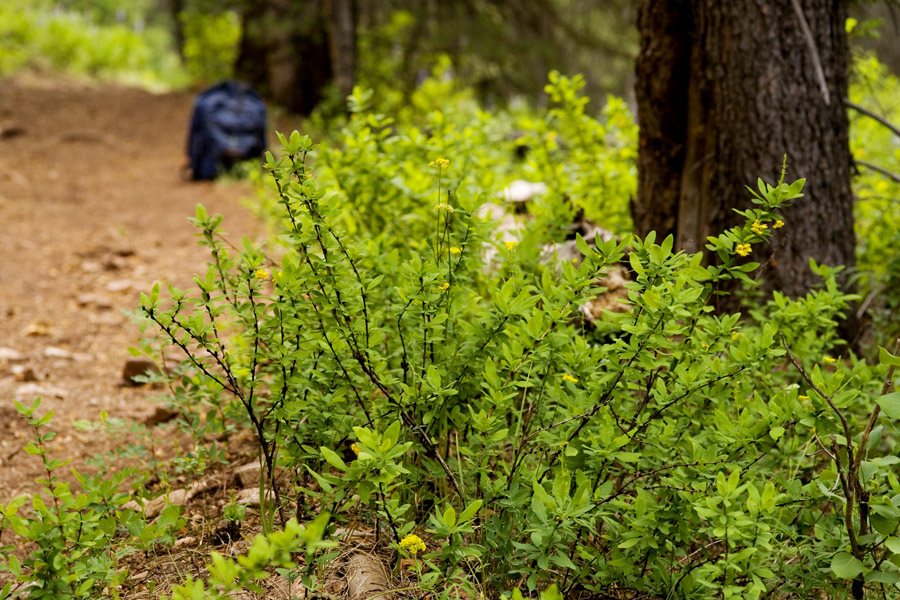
[(8, 354), (31, 390), (120, 285), (23, 373), (94, 300), (54, 352)]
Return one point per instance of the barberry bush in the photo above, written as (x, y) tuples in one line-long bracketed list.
[(478, 425)]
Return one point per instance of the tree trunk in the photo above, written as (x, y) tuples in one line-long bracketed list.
[(724, 91), (284, 52), (342, 18)]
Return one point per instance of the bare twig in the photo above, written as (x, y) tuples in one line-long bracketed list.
[(880, 170), (872, 115), (813, 50), (840, 415)]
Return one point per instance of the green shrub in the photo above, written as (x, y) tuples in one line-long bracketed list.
[(36, 36), (73, 549), (877, 210), (404, 385), (210, 44)]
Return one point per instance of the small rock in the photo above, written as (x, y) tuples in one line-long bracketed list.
[(175, 497), (248, 475), (185, 541), (38, 328), (91, 266), (95, 300), (54, 352), (135, 367), (10, 355), (23, 373), (120, 285), (522, 191), (31, 390)]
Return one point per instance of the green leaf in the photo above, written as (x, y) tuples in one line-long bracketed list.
[(450, 517), (332, 458), (846, 566), (154, 294), (201, 212), (888, 577), (15, 567), (893, 544), (890, 404), (776, 432), (582, 245), (886, 358), (470, 511)]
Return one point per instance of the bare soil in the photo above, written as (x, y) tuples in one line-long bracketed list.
[(93, 210)]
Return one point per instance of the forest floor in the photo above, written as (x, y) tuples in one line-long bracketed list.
[(93, 211)]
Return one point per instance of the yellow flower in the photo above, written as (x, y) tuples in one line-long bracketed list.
[(443, 206), (778, 224), (743, 249), (261, 274), (802, 397), (828, 359), (510, 244), (355, 448), (412, 544), (735, 335), (444, 286), (440, 163), (567, 377), (758, 227), (455, 250)]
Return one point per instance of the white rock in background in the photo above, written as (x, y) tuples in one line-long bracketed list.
[(523, 191)]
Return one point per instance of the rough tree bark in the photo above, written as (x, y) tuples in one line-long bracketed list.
[(724, 91)]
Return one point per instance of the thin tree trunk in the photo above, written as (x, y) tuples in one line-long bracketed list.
[(342, 18)]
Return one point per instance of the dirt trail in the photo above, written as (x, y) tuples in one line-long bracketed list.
[(93, 210)]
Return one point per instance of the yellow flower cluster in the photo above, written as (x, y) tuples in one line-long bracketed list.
[(355, 448), (455, 250), (758, 227), (440, 163), (743, 249), (567, 377), (261, 274), (778, 224), (444, 206), (412, 544), (510, 244), (444, 286), (828, 359)]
